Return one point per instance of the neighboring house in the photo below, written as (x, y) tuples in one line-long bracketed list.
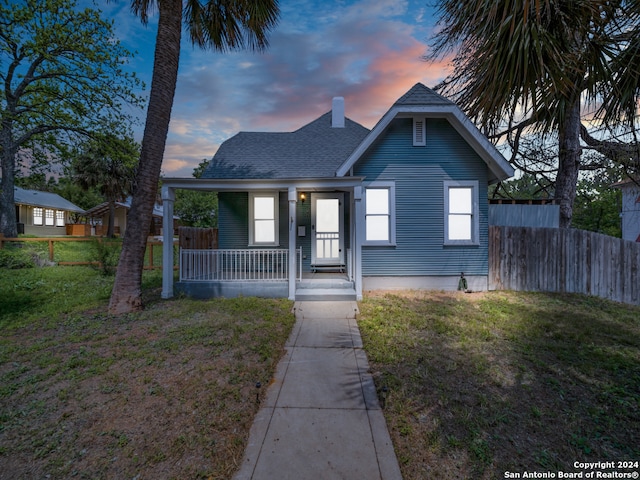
[(43, 213), (544, 213), (630, 213), (99, 217), (401, 206)]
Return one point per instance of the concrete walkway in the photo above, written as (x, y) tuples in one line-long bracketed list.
[(321, 418)]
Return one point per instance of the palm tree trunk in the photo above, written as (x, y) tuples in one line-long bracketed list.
[(568, 162), (127, 290)]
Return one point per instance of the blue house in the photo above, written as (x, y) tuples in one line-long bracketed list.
[(334, 209)]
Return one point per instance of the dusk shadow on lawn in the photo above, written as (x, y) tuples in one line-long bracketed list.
[(481, 385)]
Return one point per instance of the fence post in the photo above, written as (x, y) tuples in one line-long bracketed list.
[(51, 250), (150, 247)]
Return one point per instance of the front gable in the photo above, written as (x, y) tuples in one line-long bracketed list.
[(420, 176), (422, 104)]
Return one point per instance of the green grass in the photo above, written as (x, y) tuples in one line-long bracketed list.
[(76, 250), (164, 393), (481, 384)]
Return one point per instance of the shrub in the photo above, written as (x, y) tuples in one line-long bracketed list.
[(106, 253), (14, 258)]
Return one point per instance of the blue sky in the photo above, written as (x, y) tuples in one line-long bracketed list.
[(368, 51)]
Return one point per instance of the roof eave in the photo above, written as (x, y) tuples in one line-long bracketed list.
[(498, 165)]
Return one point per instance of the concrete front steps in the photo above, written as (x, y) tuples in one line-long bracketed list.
[(325, 289)]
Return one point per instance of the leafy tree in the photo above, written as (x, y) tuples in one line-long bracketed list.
[(597, 206), (526, 187), (108, 163), (218, 24), (85, 198), (61, 77), (36, 181), (525, 65), (196, 208)]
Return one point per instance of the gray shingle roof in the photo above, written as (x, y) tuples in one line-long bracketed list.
[(421, 95), (37, 198), (103, 208), (313, 151)]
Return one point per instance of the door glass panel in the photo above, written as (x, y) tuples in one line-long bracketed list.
[(327, 215)]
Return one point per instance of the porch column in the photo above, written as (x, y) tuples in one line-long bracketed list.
[(293, 198), (357, 251), (168, 197)]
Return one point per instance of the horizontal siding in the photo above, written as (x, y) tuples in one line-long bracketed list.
[(547, 216), (419, 173), (630, 212), (233, 220)]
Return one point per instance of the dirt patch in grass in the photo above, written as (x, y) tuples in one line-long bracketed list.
[(167, 393), (477, 385)]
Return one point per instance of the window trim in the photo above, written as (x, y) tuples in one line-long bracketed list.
[(391, 187), (276, 205), (475, 210)]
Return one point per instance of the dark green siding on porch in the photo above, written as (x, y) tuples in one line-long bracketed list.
[(233, 220), (419, 174)]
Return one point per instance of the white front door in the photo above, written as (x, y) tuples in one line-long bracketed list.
[(327, 220)]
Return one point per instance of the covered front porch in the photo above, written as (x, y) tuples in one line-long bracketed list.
[(313, 254)]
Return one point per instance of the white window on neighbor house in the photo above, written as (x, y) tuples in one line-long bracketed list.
[(461, 223), (59, 218), (419, 132), (49, 216), (37, 216), (263, 218), (379, 208)]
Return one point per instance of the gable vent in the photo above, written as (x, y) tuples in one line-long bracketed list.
[(419, 132)]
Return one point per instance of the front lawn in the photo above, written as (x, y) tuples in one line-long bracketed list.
[(166, 393), (478, 385), (474, 385)]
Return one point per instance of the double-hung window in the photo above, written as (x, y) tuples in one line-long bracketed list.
[(379, 208), (59, 218), (263, 218), (461, 223), (37, 216), (49, 217)]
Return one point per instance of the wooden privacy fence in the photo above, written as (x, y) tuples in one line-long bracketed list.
[(564, 260), (198, 238)]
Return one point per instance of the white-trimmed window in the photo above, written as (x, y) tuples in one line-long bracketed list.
[(49, 217), (37, 216), (461, 223), (419, 132), (380, 213), (59, 218), (263, 218)]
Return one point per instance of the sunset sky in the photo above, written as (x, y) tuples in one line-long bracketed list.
[(368, 51)]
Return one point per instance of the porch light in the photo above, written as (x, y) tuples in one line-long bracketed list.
[(303, 197)]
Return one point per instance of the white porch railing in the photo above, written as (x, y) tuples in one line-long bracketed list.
[(247, 265)]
